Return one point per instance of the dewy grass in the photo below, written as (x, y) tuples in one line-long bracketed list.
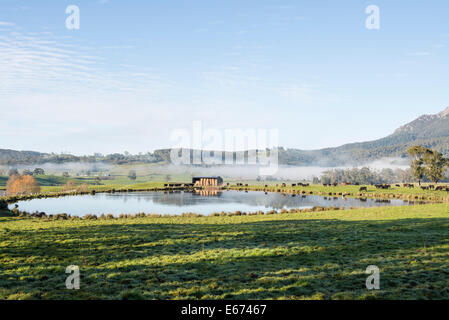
[(317, 255)]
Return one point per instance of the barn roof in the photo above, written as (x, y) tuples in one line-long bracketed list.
[(211, 177)]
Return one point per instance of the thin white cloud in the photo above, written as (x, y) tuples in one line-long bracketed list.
[(407, 62), (6, 24), (22, 8), (118, 47), (420, 54), (42, 62), (298, 92)]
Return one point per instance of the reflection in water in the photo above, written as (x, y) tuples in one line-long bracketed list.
[(208, 193), (178, 202)]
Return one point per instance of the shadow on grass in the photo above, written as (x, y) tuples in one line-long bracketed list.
[(5, 214), (255, 260)]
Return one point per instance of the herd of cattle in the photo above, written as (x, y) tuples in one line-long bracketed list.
[(284, 185), (389, 186), (411, 186), (299, 184), (363, 188)]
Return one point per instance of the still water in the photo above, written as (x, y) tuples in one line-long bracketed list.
[(182, 202)]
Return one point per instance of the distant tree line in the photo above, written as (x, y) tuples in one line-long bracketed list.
[(11, 158), (426, 165), (25, 172), (365, 176)]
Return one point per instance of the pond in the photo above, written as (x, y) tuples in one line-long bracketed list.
[(204, 202)]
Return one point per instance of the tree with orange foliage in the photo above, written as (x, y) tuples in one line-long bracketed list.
[(11, 180), (22, 185)]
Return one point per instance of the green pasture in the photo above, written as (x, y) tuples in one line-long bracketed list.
[(317, 255), (351, 190)]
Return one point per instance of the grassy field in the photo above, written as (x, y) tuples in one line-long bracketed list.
[(51, 180), (287, 256), (56, 183), (352, 190), (111, 185)]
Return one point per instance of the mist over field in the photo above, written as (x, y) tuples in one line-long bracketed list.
[(251, 172), (58, 168), (244, 172), (287, 172)]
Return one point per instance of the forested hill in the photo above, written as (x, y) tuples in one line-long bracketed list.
[(430, 131), (11, 156)]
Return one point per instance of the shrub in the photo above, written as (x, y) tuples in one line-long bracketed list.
[(22, 185), (70, 186), (13, 172), (3, 205), (132, 175), (38, 171)]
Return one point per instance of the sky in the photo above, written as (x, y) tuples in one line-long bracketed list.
[(136, 71)]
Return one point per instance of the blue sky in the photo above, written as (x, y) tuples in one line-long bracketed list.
[(137, 70)]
